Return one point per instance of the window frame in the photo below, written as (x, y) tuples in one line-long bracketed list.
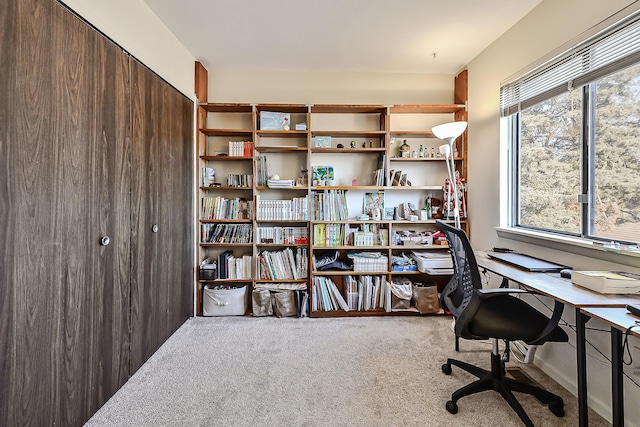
[(584, 76)]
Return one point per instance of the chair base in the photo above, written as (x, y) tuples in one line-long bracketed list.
[(496, 380)]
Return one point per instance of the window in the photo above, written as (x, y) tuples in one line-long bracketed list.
[(575, 140)]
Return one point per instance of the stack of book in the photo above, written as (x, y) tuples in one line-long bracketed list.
[(280, 183)]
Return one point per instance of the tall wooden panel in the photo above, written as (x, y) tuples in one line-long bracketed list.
[(162, 167), (64, 183)]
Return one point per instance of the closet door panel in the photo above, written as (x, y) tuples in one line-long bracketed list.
[(162, 168), (64, 149)]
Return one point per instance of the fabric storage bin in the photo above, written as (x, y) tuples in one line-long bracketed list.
[(224, 302)]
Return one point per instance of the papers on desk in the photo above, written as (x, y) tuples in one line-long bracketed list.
[(607, 282)]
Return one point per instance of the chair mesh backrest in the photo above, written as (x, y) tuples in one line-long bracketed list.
[(465, 268)]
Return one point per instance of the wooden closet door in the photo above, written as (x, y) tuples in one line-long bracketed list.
[(162, 168), (64, 184)]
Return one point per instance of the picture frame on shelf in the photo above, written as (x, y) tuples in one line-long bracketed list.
[(388, 213), (395, 179), (271, 120), (323, 141), (322, 175), (373, 201)]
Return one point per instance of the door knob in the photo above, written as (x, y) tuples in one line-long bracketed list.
[(105, 240), (154, 228)]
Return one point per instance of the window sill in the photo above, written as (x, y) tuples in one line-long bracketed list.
[(573, 245)]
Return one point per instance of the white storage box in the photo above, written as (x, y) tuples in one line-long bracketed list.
[(380, 264), (224, 302), (427, 260)]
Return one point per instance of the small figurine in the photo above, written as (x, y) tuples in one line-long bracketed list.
[(364, 144), (353, 144)]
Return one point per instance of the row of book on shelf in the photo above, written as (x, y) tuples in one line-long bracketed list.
[(227, 233), (241, 148), (262, 171), (283, 265), (239, 180), (361, 293), (233, 267), (279, 210), (369, 292), (366, 234), (219, 207), (329, 205), (282, 235), (378, 177)]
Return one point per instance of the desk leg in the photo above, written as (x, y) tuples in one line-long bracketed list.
[(617, 395), (581, 354)]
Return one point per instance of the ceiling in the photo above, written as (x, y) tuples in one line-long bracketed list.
[(390, 36)]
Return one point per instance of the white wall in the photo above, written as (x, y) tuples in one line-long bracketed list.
[(552, 24), (327, 88), (132, 25)]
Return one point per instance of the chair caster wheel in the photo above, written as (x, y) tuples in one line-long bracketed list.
[(446, 368), (557, 408), (452, 407)]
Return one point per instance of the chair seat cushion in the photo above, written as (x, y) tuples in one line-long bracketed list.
[(510, 318)]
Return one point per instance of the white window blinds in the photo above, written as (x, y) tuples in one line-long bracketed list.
[(613, 49)]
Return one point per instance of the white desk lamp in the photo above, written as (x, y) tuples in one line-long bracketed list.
[(449, 132)]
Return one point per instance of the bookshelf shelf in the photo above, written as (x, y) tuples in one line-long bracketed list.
[(223, 221), (226, 158), (227, 132), (225, 188), (213, 245), (280, 245), (292, 155), (263, 188)]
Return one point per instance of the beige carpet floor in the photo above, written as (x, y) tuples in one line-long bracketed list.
[(367, 371)]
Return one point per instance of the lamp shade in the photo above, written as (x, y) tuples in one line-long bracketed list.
[(449, 131), (445, 150)]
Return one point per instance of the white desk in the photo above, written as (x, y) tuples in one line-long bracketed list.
[(562, 290)]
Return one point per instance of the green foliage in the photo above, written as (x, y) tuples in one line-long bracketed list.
[(551, 157)]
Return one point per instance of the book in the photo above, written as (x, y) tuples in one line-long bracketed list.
[(607, 282)]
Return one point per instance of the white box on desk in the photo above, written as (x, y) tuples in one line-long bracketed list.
[(607, 282)]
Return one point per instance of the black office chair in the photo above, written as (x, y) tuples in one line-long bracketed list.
[(493, 313)]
